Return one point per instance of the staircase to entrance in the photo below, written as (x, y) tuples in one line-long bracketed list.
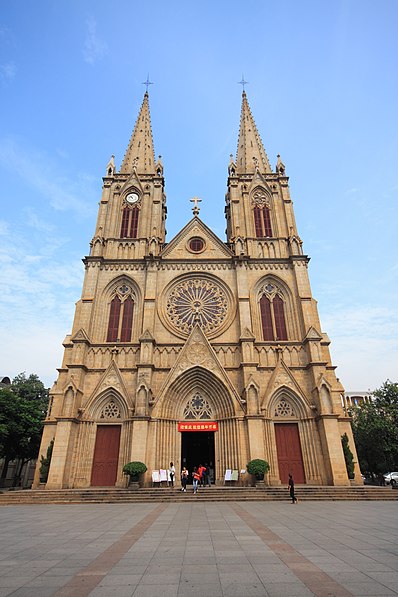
[(108, 495)]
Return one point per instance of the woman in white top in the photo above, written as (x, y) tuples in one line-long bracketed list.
[(172, 473)]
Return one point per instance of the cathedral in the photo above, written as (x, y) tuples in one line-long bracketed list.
[(196, 350)]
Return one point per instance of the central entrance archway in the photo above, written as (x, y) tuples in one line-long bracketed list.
[(198, 448)]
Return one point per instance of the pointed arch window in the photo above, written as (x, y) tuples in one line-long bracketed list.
[(121, 312), (129, 227), (262, 221), (273, 322)]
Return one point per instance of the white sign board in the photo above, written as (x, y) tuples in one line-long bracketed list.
[(228, 475)]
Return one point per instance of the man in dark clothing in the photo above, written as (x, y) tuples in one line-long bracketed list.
[(290, 487)]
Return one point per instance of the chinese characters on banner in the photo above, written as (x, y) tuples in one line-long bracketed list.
[(208, 426)]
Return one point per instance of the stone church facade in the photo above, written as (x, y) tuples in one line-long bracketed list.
[(196, 350)]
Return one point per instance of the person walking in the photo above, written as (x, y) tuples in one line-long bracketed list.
[(202, 473), (195, 479), (172, 473), (290, 486), (184, 479)]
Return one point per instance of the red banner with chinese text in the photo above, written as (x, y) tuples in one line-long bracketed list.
[(202, 426)]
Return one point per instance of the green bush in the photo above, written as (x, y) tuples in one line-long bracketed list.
[(257, 467), (45, 463), (134, 469), (348, 456)]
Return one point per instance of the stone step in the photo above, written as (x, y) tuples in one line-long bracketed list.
[(217, 493)]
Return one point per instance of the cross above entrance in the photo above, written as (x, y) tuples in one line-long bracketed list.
[(196, 208)]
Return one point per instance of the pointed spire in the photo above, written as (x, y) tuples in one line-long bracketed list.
[(251, 154), (140, 155)]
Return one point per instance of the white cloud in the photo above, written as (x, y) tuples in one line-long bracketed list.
[(364, 344), (8, 70), (42, 174), (94, 48)]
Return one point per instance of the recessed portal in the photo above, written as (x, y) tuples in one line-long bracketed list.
[(198, 448)]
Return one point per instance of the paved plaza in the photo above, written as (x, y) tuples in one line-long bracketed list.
[(235, 549)]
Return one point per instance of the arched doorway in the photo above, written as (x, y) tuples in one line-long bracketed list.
[(198, 396), (287, 410)]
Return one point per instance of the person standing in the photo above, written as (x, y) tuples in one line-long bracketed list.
[(290, 486), (172, 473), (206, 476), (195, 479), (184, 479)]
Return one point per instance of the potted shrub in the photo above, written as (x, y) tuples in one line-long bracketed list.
[(258, 468), (134, 470)]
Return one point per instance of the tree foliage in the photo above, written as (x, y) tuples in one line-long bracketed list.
[(375, 427), (23, 406)]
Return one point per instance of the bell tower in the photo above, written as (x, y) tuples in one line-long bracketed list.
[(259, 211), (132, 214)]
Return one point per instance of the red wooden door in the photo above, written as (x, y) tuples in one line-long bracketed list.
[(106, 455), (288, 447)]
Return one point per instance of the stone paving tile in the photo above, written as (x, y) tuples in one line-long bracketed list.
[(147, 591), (8, 582), (243, 590), (104, 592), (32, 592), (369, 588), (282, 589), (168, 578), (120, 580), (188, 589)]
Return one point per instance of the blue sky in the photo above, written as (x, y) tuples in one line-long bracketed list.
[(322, 89)]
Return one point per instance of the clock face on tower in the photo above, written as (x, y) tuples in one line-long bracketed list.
[(132, 198)]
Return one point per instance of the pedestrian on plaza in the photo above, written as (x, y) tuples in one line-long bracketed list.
[(184, 479), (195, 479), (290, 486), (172, 473)]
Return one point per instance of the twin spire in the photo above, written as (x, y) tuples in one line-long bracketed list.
[(140, 153)]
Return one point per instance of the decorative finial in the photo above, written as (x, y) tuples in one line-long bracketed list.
[(196, 208), (280, 166), (243, 83), (147, 83)]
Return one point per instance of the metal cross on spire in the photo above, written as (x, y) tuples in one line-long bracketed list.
[(243, 82), (147, 83), (196, 208)]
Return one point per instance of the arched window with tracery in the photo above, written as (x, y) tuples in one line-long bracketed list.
[(120, 323), (262, 222), (272, 313), (260, 200), (198, 407), (129, 227)]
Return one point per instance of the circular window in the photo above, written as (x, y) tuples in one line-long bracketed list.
[(193, 300), (196, 244)]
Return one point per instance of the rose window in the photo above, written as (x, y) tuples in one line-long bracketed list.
[(198, 408), (283, 409), (110, 411), (197, 301)]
